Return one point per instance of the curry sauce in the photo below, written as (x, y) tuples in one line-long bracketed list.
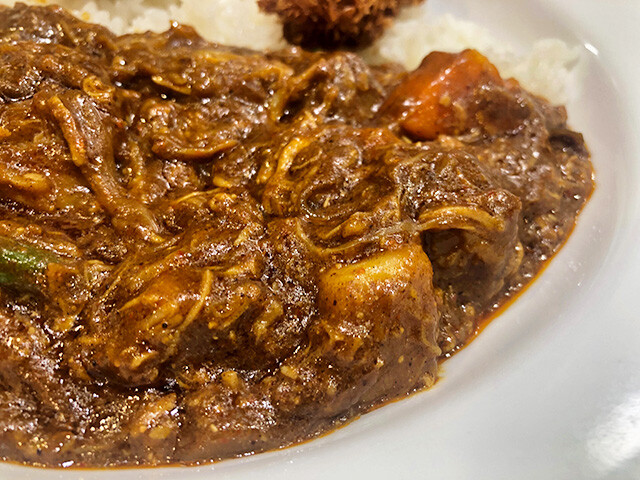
[(208, 251)]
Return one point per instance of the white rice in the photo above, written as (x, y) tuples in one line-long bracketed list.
[(549, 69)]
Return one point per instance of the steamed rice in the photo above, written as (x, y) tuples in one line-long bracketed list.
[(549, 69)]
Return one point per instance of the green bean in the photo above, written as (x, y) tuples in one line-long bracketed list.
[(22, 266)]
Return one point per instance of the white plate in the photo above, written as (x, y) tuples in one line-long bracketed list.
[(551, 389)]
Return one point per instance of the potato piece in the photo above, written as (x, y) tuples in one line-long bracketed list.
[(363, 302), (375, 339)]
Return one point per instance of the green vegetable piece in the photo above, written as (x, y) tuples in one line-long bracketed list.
[(22, 266)]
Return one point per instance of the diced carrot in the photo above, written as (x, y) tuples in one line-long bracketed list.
[(430, 101)]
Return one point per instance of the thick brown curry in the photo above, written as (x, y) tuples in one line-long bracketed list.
[(208, 251)]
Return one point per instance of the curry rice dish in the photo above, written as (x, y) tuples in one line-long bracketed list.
[(208, 251)]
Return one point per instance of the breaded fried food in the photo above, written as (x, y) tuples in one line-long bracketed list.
[(332, 24)]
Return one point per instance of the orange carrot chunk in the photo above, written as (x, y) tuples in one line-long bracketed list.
[(432, 99)]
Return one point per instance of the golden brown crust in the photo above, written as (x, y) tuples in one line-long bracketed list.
[(334, 23)]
